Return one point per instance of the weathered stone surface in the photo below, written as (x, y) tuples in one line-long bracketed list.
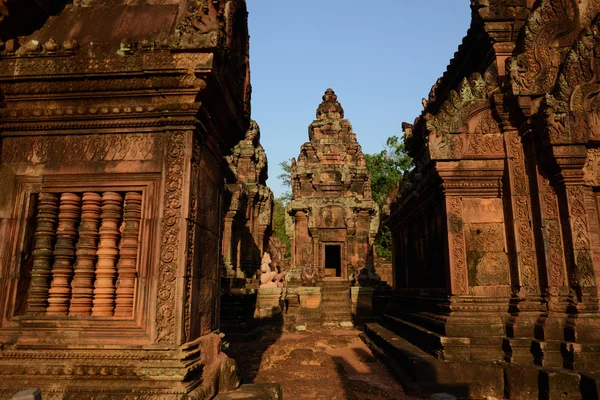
[(496, 230), (265, 391), (228, 378), (331, 198), (559, 384), (115, 126), (332, 218), (522, 381), (31, 394), (319, 363)]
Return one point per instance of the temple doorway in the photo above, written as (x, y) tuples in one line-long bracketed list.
[(333, 261)]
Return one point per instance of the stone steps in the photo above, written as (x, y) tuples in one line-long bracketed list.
[(421, 373), (427, 340), (336, 302)]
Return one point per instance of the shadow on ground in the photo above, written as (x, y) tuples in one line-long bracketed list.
[(331, 364)]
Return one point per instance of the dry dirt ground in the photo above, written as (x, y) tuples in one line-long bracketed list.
[(327, 363)]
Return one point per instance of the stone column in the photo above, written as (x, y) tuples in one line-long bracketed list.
[(64, 254), (316, 252), (261, 238), (227, 243), (524, 244), (300, 236), (108, 252), (45, 233), (127, 265), (82, 286), (582, 320)]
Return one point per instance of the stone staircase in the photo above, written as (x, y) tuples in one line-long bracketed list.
[(336, 304)]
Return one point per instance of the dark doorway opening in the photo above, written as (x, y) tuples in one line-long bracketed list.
[(333, 260)]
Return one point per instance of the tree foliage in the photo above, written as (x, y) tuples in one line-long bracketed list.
[(279, 225), (386, 168), (286, 179), (279, 210)]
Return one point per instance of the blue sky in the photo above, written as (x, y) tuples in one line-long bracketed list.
[(381, 57)]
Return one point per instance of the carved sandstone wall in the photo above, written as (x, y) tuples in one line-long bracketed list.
[(116, 117), (497, 227)]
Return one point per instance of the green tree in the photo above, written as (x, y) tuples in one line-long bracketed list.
[(286, 179), (279, 225), (279, 210), (386, 168)]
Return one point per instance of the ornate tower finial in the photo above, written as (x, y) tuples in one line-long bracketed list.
[(330, 107)]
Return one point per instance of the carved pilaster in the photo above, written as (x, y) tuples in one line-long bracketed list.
[(456, 246), (64, 253), (557, 275), (522, 215), (170, 239), (228, 242), (301, 250), (108, 251), (42, 253), (583, 269), (314, 235), (572, 199), (82, 286), (126, 266)]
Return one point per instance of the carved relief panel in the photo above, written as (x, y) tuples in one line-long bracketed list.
[(487, 259)]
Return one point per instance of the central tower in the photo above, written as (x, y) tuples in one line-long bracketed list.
[(332, 218)]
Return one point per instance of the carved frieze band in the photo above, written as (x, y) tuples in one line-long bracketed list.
[(458, 263), (109, 147), (170, 239)]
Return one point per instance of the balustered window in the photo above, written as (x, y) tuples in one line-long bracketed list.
[(84, 251)]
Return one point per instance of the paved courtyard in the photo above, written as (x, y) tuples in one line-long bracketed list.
[(331, 364)]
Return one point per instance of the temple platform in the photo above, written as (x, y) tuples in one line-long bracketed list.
[(422, 373)]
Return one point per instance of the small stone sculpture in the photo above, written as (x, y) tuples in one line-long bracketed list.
[(308, 275), (268, 277), (367, 276)]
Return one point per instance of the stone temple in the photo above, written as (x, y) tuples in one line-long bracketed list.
[(136, 223), (116, 120), (496, 229), (332, 217)]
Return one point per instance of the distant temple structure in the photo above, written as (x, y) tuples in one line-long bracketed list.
[(496, 230), (332, 218), (249, 202)]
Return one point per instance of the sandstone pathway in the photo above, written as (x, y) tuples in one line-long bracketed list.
[(331, 364)]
